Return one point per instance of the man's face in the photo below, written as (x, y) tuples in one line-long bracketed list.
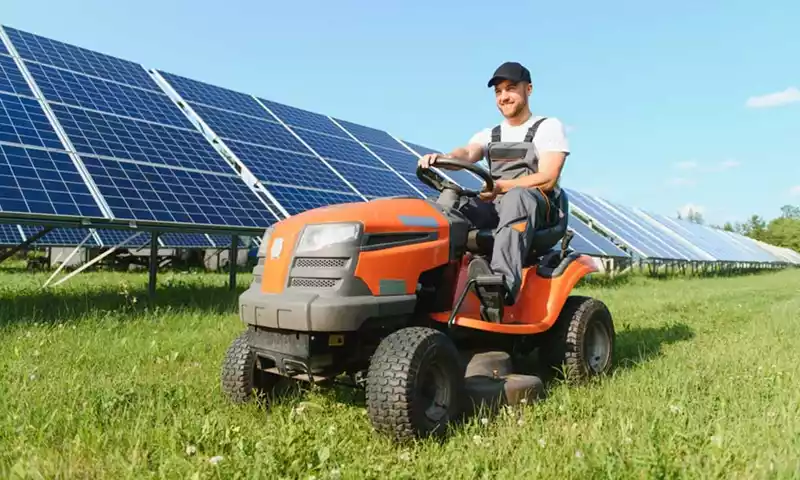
[(511, 98)]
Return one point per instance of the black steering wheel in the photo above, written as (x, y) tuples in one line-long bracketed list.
[(431, 177)]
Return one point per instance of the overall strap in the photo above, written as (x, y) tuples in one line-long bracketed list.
[(532, 131), (496, 134)]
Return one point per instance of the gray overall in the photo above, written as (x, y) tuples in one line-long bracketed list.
[(527, 209)]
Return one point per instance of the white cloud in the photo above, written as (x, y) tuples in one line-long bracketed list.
[(776, 99), (681, 182), (795, 191), (728, 164), (690, 207), (686, 165)]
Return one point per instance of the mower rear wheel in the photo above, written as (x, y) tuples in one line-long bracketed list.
[(240, 377), (414, 384), (582, 340)]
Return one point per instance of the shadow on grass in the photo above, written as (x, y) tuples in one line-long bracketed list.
[(64, 305), (637, 345)]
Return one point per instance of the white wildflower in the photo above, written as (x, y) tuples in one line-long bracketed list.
[(215, 460), (191, 450)]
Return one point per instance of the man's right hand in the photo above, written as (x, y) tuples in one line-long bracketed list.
[(427, 160)]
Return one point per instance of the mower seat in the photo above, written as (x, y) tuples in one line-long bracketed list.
[(545, 238)]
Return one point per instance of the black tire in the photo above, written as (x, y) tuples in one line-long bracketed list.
[(414, 385), (581, 343), (240, 378)]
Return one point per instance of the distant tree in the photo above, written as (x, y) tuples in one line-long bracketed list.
[(790, 211), (728, 227)]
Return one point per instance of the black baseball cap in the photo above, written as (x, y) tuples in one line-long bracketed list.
[(511, 71)]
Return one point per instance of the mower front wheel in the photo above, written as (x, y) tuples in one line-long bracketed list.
[(240, 378), (414, 384)]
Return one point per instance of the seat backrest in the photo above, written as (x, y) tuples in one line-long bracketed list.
[(547, 237)]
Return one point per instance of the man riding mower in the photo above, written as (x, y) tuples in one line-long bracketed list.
[(398, 295)]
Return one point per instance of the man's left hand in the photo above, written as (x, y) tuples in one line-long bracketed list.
[(492, 194)]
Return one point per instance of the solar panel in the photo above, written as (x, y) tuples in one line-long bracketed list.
[(291, 172), (184, 240), (100, 134), (9, 234), (70, 57), (117, 116), (641, 242), (111, 237), (60, 237), (589, 242), (22, 121), (42, 182), (147, 192)]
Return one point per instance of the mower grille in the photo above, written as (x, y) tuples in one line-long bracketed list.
[(309, 262), (314, 282)]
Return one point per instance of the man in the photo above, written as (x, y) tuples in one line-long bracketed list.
[(525, 185)]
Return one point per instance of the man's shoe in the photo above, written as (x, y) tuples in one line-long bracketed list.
[(489, 287)]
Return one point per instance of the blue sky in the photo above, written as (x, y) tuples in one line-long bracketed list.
[(667, 105)]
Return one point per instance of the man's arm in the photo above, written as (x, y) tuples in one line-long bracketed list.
[(472, 152)]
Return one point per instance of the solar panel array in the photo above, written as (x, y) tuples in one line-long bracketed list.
[(88, 136), (135, 155)]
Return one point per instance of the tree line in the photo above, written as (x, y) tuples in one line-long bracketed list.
[(781, 231)]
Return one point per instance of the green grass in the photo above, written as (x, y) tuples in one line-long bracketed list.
[(98, 383)]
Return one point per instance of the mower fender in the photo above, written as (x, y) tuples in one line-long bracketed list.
[(310, 312)]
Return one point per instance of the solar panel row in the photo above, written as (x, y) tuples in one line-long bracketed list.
[(87, 135)]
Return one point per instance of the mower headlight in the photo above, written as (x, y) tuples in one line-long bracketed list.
[(317, 237)]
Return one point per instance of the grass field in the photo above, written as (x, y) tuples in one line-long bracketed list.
[(98, 383)]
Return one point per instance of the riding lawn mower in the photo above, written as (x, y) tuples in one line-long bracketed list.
[(377, 292)]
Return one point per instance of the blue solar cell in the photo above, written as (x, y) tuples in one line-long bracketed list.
[(52, 52), (43, 182), (108, 135), (194, 91), (111, 237), (248, 129), (369, 135), (339, 149), (297, 200), (373, 182), (3, 49), (87, 92), (146, 192), (22, 120), (617, 226), (9, 234), (184, 240), (65, 237), (11, 79), (589, 242), (296, 117), (287, 168)]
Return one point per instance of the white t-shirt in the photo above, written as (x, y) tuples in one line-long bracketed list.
[(550, 137)]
